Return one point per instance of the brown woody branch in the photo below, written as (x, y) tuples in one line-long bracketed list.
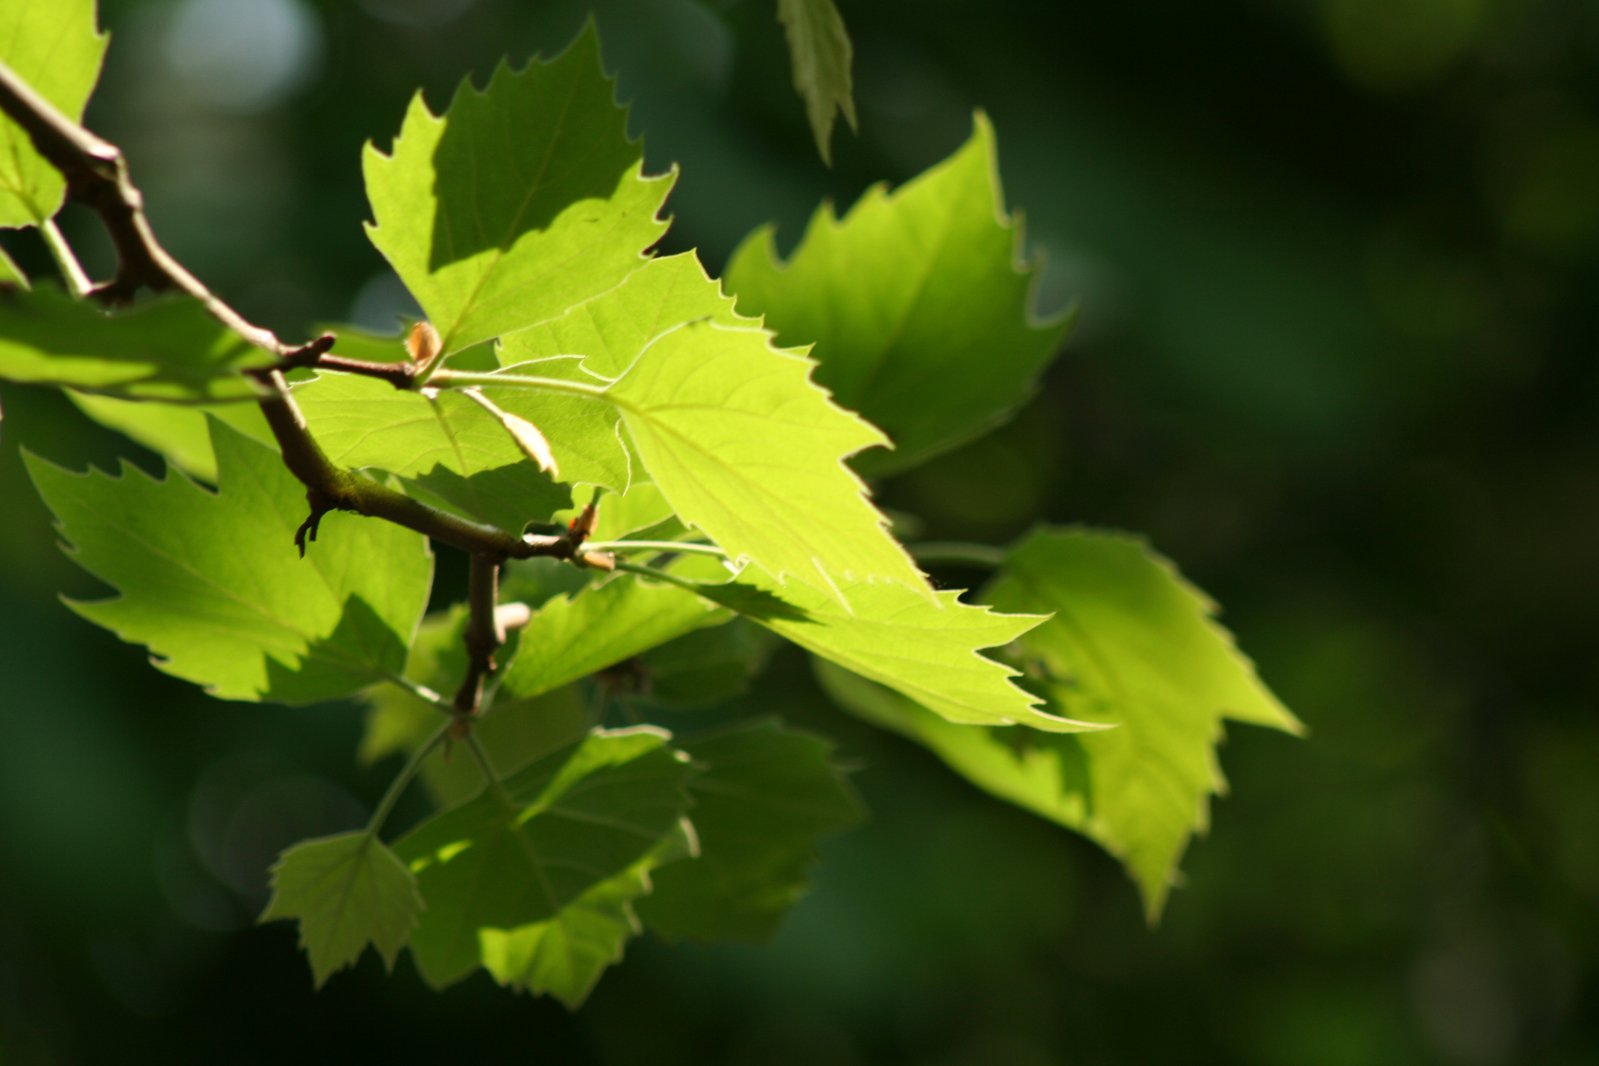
[(483, 633)]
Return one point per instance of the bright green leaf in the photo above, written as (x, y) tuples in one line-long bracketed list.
[(894, 635), (527, 852), (348, 891), (165, 350), (444, 446), (917, 303), (572, 637), (596, 342), (522, 200), (52, 45), (820, 50), (180, 433), (1132, 644), (745, 447), (763, 797), (212, 584)]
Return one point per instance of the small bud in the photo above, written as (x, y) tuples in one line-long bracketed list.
[(424, 346)]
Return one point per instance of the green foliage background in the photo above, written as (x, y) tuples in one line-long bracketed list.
[(1337, 265)]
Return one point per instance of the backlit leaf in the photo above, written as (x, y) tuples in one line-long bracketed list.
[(917, 303), (213, 585), (52, 45), (1132, 644), (521, 200)]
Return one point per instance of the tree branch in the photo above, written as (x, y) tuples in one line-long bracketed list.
[(97, 177), (483, 634)]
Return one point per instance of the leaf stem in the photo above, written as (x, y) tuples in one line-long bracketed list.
[(659, 575), (654, 545), (456, 379), (958, 553), (422, 692), (72, 271), (407, 773)]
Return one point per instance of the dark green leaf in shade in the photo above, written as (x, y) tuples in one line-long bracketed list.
[(54, 47), (521, 200), (917, 303), (169, 349), (515, 732), (444, 447), (570, 638), (820, 49), (10, 273), (565, 958), (212, 584), (762, 799), (704, 667), (348, 891), (528, 852), (1132, 644)]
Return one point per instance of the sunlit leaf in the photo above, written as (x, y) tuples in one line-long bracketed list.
[(521, 200), (54, 47), (1132, 644), (917, 303), (213, 585)]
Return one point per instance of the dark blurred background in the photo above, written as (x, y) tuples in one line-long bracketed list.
[(1338, 268)]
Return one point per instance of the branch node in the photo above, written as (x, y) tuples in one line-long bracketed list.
[(320, 505)]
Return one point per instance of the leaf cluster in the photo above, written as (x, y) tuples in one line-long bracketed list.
[(657, 479)]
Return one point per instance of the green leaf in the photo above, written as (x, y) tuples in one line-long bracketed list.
[(1046, 773), (572, 637), (515, 732), (168, 349), (596, 342), (565, 958), (894, 635), (745, 447), (917, 302), (211, 583), (52, 45), (10, 273), (763, 797), (819, 46), (522, 200), (704, 667), (179, 433), (1132, 644), (444, 447), (529, 851), (348, 891)]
